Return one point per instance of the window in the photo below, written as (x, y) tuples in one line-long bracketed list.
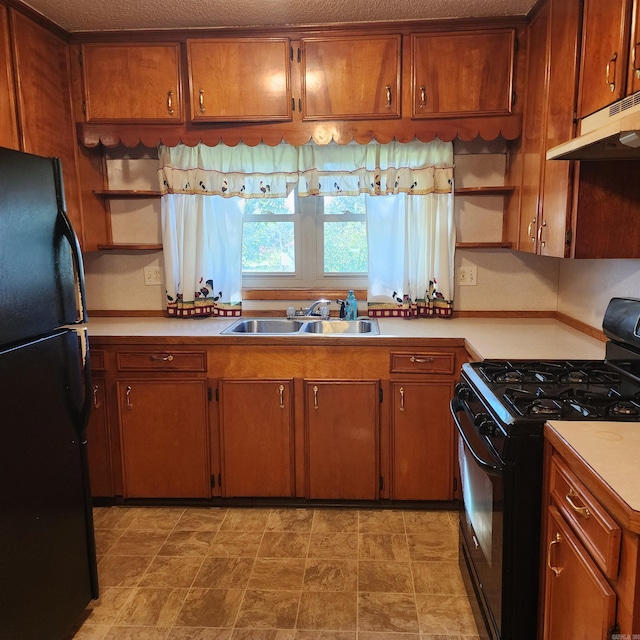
[(305, 242)]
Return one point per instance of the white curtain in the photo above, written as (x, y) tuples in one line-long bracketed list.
[(411, 232)]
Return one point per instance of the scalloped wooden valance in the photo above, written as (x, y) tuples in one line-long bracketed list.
[(299, 133)]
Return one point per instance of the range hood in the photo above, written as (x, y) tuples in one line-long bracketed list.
[(613, 133)]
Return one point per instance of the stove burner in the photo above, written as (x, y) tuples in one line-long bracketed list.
[(574, 377), (509, 376), (542, 407), (623, 409)]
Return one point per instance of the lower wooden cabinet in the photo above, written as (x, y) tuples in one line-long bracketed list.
[(164, 438), (422, 437), (98, 443), (341, 423), (579, 602), (256, 436)]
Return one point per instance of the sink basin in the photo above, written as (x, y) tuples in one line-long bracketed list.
[(331, 327), (307, 327), (264, 326)]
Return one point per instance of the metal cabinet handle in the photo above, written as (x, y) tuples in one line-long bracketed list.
[(201, 101), (315, 397), (612, 81), (556, 570), (420, 360), (128, 397), (583, 511), (96, 403), (540, 240), (167, 358), (531, 235), (388, 89), (423, 98), (401, 398), (633, 58), (281, 391), (170, 109)]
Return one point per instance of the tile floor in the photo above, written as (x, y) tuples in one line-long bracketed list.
[(277, 574)]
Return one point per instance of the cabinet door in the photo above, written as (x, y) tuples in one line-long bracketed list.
[(241, 79), (44, 102), (350, 77), (8, 122), (256, 426), (342, 439), (132, 82), (633, 79), (579, 602), (462, 74), (163, 431), (98, 447), (422, 441), (603, 67)]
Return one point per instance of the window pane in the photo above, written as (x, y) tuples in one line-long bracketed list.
[(345, 247), (268, 246), (258, 206), (336, 205)]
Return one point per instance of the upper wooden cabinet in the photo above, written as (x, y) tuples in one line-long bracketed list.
[(605, 44), (240, 79), (138, 82), (462, 74), (8, 121), (356, 77)]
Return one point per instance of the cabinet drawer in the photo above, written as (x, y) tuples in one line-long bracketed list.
[(162, 360), (422, 362), (595, 528)]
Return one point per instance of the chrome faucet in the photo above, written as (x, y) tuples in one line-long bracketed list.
[(311, 310)]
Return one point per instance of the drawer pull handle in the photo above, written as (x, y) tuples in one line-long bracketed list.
[(96, 403), (170, 109), (420, 360), (389, 97), (201, 101), (401, 398), (423, 97), (611, 81), (315, 397), (556, 570), (128, 396), (168, 358), (281, 392), (583, 511)]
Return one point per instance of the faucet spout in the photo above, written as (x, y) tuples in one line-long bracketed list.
[(312, 310)]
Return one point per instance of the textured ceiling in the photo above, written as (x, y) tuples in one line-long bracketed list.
[(102, 15)]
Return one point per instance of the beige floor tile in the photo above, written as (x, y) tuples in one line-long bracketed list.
[(235, 544), (107, 608), (224, 573), (152, 607), (90, 632), (432, 546), (113, 517), (330, 575), (438, 578), (245, 520), (281, 544), (171, 572), (390, 577), (201, 519), (265, 609), (311, 634), (445, 615), (277, 574), (187, 543), (383, 546), (263, 634), (155, 518), (395, 612), (389, 635), (430, 521), (122, 571), (290, 520), (381, 521), (328, 610), (210, 608), (200, 633), (138, 543), (105, 539), (137, 633), (334, 521), (333, 545)]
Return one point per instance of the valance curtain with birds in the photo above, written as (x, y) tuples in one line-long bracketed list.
[(409, 203)]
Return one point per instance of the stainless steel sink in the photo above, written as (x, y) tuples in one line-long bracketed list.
[(307, 327), (332, 327), (269, 326)]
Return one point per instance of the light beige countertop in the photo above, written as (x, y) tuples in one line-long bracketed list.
[(513, 338), (611, 450)]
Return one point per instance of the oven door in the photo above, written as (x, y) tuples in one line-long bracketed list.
[(481, 519)]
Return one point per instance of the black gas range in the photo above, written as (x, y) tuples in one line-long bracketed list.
[(499, 408)]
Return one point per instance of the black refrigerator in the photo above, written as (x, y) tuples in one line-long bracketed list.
[(47, 550)]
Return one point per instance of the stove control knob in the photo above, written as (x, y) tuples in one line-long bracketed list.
[(486, 426), (462, 391)]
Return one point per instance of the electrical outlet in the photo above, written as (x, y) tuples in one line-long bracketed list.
[(468, 276), (152, 276)]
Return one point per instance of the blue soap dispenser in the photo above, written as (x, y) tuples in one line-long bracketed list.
[(352, 306)]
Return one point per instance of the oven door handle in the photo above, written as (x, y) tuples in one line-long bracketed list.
[(491, 466)]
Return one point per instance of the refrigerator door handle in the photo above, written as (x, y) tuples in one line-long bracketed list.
[(72, 239), (86, 372)]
